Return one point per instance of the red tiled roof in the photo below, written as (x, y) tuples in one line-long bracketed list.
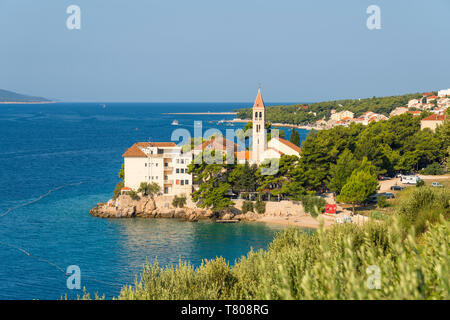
[(428, 94), (126, 188), (435, 117), (290, 144), (259, 103), (135, 152)]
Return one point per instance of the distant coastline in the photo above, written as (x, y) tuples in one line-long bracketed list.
[(11, 97), (26, 102), (202, 113), (286, 125)]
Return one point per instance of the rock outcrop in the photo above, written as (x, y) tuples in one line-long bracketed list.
[(161, 207)]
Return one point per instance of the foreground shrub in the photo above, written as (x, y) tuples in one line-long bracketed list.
[(419, 206), (328, 264)]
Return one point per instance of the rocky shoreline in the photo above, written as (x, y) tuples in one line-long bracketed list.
[(161, 207)]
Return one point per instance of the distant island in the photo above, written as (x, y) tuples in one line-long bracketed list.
[(13, 97)]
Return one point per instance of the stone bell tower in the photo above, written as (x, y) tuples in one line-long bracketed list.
[(259, 137)]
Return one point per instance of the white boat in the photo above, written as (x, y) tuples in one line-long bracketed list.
[(175, 122)]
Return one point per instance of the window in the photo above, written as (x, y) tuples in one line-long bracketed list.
[(156, 164), (178, 160), (182, 182), (186, 182), (182, 161), (260, 114), (182, 170), (166, 178), (256, 115), (166, 190), (166, 164), (145, 164), (177, 181), (178, 170)]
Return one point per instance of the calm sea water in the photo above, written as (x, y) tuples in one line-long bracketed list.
[(59, 160)]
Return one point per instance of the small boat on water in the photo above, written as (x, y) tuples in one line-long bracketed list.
[(175, 122)]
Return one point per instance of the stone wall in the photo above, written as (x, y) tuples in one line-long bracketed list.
[(282, 208)]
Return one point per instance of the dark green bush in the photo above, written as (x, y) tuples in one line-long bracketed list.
[(260, 207), (179, 201), (433, 169), (382, 202), (133, 194), (117, 189), (313, 205), (247, 206)]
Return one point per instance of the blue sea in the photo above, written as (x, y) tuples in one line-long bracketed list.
[(59, 160)]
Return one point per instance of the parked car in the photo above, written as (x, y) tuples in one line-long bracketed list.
[(397, 188), (384, 178), (388, 195), (437, 185)]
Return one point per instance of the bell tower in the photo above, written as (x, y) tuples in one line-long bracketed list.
[(259, 132)]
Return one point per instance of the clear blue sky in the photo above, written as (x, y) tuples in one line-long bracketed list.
[(210, 50)]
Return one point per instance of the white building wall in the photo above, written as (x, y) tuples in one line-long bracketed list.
[(443, 93), (135, 171), (277, 145)]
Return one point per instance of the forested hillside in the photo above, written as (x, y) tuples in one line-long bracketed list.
[(301, 114), (9, 96)]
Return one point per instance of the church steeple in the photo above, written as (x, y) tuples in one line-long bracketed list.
[(259, 131), (259, 103)]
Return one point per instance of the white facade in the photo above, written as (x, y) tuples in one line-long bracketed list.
[(443, 93), (161, 163), (284, 146)]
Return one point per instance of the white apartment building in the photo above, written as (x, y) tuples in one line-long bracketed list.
[(161, 162)]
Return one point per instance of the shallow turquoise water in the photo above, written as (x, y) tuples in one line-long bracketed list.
[(75, 151)]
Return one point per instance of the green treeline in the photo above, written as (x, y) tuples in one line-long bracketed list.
[(344, 160), (295, 114)]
